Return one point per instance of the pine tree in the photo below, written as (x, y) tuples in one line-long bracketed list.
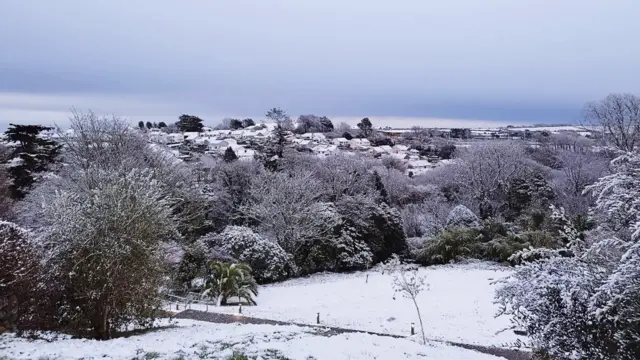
[(365, 127), (149, 125), (141, 124), (162, 124), (189, 123), (32, 155), (230, 155)]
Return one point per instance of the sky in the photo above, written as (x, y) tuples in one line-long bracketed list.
[(398, 62)]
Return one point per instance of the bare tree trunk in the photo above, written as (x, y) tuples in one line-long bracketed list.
[(424, 339)]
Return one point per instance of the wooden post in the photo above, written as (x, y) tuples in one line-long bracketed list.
[(177, 306), (318, 318), (367, 281), (240, 308), (207, 308), (413, 329)]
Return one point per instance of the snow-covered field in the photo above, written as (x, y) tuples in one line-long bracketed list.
[(201, 340), (457, 307)]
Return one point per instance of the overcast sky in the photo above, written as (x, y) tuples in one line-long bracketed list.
[(395, 61)]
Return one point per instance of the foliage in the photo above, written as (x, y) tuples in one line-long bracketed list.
[(377, 225), (448, 246), (366, 128), (585, 305), (229, 155), (32, 156), (102, 236), (248, 122), (189, 123), (268, 261), (461, 216), (347, 135), (228, 280)]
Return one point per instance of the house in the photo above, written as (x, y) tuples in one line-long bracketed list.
[(218, 145), (400, 148), (243, 153), (324, 150), (191, 136), (386, 148), (315, 137), (340, 142), (400, 156), (361, 144)]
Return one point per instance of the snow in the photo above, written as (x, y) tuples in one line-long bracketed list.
[(458, 306), (197, 340)]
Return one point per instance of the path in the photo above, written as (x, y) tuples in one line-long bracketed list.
[(508, 354)]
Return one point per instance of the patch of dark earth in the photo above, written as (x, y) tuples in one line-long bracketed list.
[(509, 354)]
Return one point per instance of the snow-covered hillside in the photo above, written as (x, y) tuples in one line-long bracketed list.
[(457, 307), (201, 340)]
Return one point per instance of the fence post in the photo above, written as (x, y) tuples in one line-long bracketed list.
[(240, 308), (318, 318), (413, 329)]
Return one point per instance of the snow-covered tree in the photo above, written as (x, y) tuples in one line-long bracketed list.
[(587, 306), (268, 261), (286, 207), (102, 234), (407, 282), (461, 216)]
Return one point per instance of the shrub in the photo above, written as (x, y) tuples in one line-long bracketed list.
[(461, 216), (268, 261), (376, 225), (449, 245)]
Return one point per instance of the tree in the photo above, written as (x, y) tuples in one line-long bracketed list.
[(287, 212), (162, 125), (307, 123), (227, 280), (366, 128), (379, 186), (347, 136), (235, 124), (141, 124), (325, 124), (230, 155), (283, 127), (248, 122), (32, 156), (268, 261), (103, 232), (618, 115), (408, 283), (189, 123), (343, 127), (149, 125)]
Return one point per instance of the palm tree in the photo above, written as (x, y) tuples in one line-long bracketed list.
[(230, 279)]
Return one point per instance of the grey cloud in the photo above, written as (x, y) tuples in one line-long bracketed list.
[(497, 59)]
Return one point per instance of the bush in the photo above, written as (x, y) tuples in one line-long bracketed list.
[(450, 245), (268, 261), (461, 216), (376, 225)]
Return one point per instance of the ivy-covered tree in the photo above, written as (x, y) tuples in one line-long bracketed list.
[(32, 156), (189, 123)]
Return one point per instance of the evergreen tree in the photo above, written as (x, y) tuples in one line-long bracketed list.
[(283, 127), (235, 124), (155, 125), (149, 125), (384, 197), (230, 155), (141, 125), (366, 128), (32, 155), (347, 135), (248, 122), (162, 124), (326, 124), (189, 123)]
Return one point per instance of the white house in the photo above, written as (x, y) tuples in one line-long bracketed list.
[(361, 144), (340, 142)]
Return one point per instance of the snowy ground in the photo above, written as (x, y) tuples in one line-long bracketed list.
[(201, 340), (457, 307)]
